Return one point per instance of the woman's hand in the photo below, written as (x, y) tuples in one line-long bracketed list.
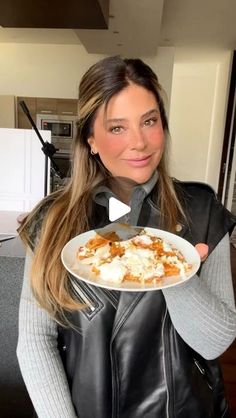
[(202, 250)]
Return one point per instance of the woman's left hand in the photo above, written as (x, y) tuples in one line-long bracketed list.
[(203, 250)]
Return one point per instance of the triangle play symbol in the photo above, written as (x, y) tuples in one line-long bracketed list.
[(117, 209)]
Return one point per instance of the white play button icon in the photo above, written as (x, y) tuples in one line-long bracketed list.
[(117, 209)]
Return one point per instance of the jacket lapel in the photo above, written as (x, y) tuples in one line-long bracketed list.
[(127, 303)]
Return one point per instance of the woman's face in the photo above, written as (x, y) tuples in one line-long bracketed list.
[(128, 135)]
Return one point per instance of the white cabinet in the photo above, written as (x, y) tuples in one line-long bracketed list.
[(22, 169)]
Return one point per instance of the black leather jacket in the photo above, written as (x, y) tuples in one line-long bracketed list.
[(125, 359)]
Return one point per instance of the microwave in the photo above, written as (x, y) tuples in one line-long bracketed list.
[(63, 129)]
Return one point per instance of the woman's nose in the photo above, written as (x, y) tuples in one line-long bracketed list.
[(137, 139)]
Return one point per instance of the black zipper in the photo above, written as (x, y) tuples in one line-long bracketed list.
[(115, 384), (203, 372), (168, 367)]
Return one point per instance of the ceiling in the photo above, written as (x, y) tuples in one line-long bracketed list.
[(83, 14), (138, 27)]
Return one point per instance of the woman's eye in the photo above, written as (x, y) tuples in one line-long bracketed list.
[(150, 122), (116, 129)]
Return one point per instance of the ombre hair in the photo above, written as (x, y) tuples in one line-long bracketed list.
[(67, 212)]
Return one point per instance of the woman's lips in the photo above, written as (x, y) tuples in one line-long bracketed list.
[(139, 162)]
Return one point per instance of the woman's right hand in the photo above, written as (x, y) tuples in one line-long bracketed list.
[(202, 250)]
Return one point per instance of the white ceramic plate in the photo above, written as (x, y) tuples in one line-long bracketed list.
[(83, 272)]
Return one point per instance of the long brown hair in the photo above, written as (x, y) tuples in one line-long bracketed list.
[(69, 210)]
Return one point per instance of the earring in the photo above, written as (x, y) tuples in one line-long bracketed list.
[(92, 152)]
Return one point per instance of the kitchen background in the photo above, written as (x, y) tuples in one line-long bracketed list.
[(44, 53)]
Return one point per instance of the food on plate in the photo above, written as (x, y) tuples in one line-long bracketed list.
[(144, 258)]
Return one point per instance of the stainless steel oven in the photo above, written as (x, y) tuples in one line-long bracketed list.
[(63, 162), (63, 129)]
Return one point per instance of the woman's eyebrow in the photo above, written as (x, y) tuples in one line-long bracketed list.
[(146, 114), (117, 120), (150, 113)]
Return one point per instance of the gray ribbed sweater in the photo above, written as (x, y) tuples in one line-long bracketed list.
[(202, 311)]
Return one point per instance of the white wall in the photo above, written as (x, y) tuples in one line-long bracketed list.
[(55, 70), (163, 64), (197, 113), (43, 70)]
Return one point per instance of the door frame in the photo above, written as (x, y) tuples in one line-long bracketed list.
[(228, 159)]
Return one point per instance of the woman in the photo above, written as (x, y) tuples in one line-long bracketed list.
[(125, 354)]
